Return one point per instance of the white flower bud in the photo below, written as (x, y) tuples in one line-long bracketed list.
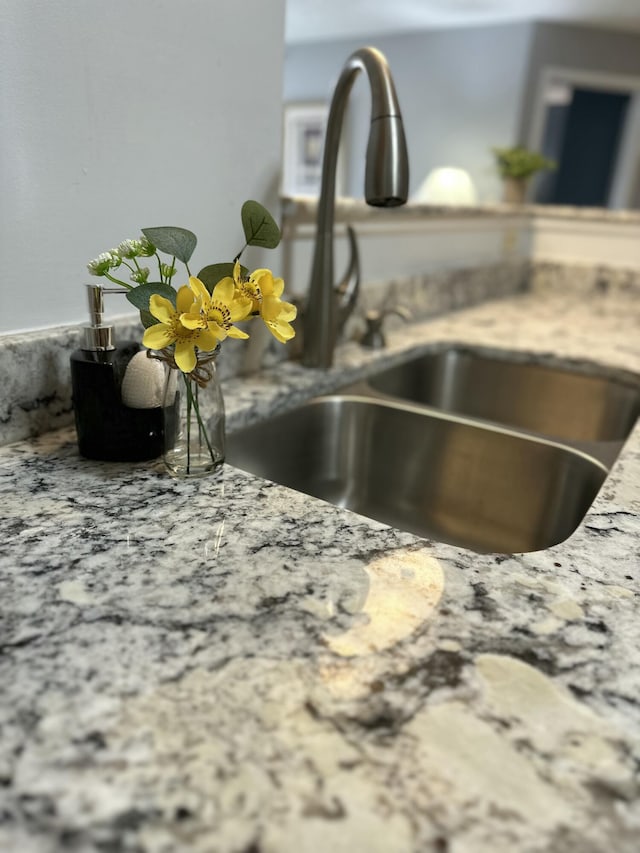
[(147, 249), (101, 265), (129, 248), (167, 270), (141, 275)]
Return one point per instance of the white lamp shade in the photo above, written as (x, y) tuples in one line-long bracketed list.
[(447, 185)]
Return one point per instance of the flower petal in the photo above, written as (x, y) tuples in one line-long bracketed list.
[(276, 309), (158, 336), (193, 321), (208, 340), (161, 308), (269, 285), (184, 299), (224, 290), (278, 286), (219, 332), (281, 330), (199, 289), (235, 332), (240, 308), (288, 311), (185, 356), (264, 280)]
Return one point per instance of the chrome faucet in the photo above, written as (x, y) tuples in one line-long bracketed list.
[(386, 185)]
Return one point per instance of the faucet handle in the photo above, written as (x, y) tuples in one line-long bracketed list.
[(373, 337)]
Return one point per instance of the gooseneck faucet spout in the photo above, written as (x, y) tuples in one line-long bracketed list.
[(386, 185)]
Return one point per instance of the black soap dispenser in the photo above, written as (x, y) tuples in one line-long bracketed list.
[(107, 428)]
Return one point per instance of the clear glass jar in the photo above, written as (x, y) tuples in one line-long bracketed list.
[(194, 423)]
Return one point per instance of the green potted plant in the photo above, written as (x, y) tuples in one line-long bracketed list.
[(516, 165)]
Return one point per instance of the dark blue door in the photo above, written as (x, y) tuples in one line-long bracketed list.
[(590, 144)]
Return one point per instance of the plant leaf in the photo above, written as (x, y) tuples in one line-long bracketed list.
[(147, 319), (177, 242), (211, 274), (260, 228), (141, 294)]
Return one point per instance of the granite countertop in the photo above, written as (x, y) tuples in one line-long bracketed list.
[(227, 665)]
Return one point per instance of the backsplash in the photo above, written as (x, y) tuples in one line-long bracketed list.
[(35, 366), (576, 278), (36, 394)]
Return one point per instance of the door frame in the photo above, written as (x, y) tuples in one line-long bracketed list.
[(608, 81)]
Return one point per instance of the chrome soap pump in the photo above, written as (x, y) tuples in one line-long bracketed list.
[(107, 428)]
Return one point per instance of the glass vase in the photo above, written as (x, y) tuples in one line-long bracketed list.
[(194, 426)]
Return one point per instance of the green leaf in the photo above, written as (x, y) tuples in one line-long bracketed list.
[(141, 294), (177, 242), (213, 273), (147, 319), (260, 228)]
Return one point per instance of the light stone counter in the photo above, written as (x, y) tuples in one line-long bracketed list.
[(228, 665), (304, 209)]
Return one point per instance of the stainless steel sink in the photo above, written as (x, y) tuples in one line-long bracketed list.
[(564, 404), (442, 477)]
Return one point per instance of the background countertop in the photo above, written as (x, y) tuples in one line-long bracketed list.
[(227, 665)]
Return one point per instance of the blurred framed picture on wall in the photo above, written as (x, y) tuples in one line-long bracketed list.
[(303, 143)]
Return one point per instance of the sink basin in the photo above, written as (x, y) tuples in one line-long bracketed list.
[(555, 402), (438, 476)]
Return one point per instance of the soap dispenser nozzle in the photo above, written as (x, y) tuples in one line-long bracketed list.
[(98, 337)]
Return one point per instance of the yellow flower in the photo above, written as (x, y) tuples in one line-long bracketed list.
[(246, 296), (170, 330), (217, 311), (260, 294), (276, 313)]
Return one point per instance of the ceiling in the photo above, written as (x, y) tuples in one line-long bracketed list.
[(318, 20)]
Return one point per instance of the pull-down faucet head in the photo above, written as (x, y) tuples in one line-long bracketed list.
[(387, 168), (386, 185)]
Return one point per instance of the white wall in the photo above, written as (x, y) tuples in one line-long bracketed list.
[(120, 115), (460, 92), (410, 241)]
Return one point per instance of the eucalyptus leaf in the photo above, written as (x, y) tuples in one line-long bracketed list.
[(147, 319), (141, 294), (213, 273), (177, 242), (260, 228)]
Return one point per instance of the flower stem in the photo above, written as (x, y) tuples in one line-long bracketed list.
[(117, 281), (187, 382), (193, 403), (239, 255), (159, 266)]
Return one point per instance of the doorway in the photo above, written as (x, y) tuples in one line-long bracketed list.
[(583, 137), (589, 124)]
